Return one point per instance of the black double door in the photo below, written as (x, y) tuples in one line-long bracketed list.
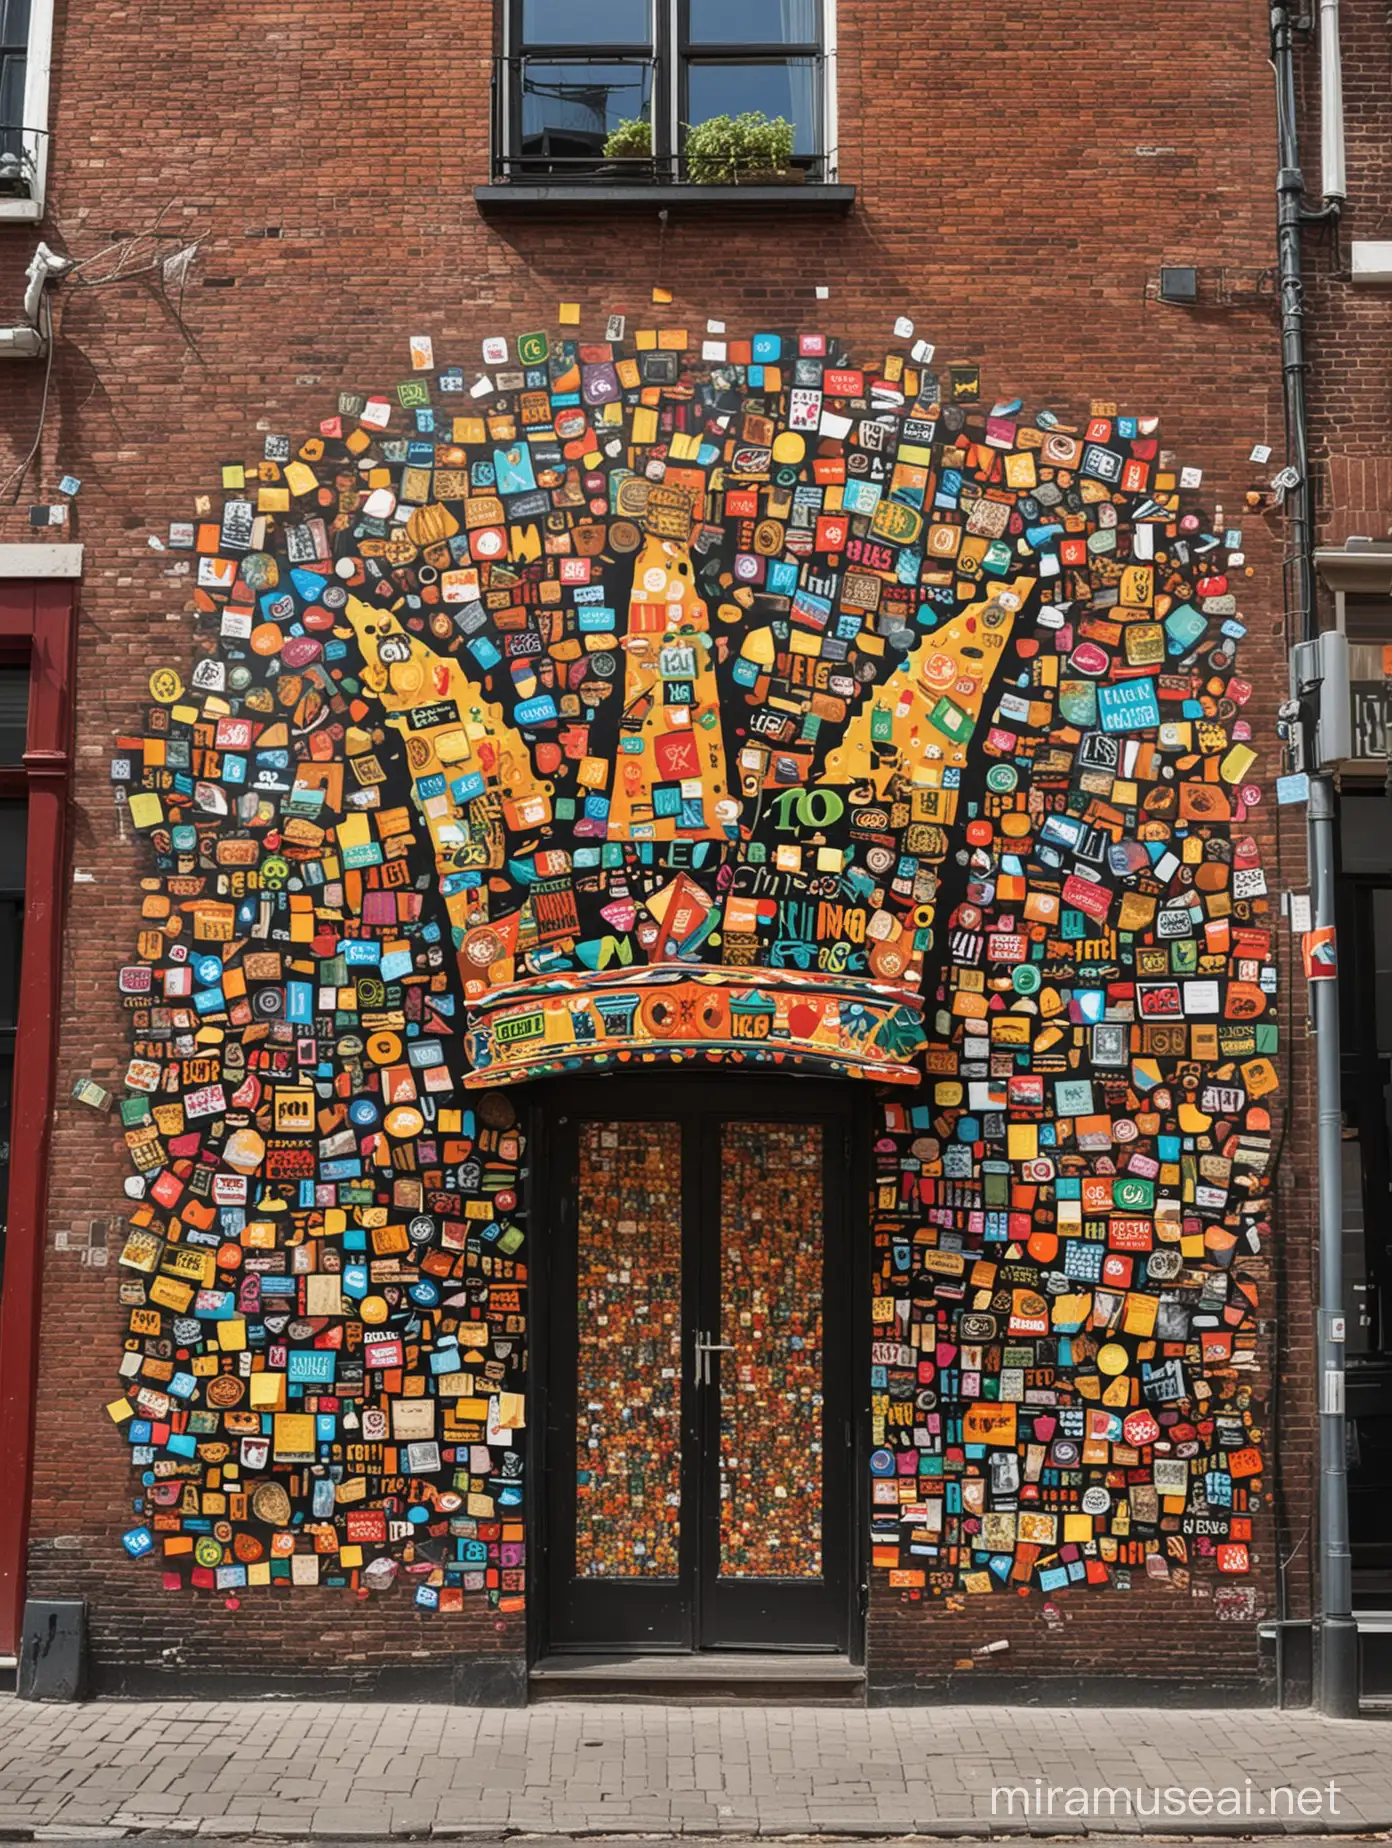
[(699, 1424)]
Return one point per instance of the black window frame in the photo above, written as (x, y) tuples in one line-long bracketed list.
[(668, 56)]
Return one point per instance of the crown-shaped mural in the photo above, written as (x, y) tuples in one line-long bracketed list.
[(687, 655)]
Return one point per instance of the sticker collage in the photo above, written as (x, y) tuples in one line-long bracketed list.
[(685, 700)]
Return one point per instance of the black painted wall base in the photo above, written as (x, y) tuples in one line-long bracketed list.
[(1289, 1648), (468, 1681), (898, 1690)]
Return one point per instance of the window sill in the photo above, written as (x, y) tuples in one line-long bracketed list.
[(21, 211), (541, 195)]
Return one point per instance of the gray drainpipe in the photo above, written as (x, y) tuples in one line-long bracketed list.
[(1336, 1631)]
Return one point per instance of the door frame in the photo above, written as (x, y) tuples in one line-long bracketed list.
[(38, 625), (675, 1090)]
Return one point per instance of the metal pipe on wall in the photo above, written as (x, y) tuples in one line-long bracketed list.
[(1336, 1630), (1333, 176)]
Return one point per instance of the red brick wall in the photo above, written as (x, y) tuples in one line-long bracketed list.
[(1349, 327), (1023, 171)]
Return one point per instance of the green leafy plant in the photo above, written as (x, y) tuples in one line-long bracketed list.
[(726, 149), (631, 140)]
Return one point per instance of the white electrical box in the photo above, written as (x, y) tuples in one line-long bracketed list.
[(1372, 262)]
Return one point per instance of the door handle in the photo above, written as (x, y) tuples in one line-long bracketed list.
[(704, 1349)]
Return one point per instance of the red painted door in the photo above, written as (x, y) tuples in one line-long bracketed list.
[(37, 636)]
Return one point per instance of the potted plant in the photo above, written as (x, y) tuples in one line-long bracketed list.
[(741, 150), (630, 140)]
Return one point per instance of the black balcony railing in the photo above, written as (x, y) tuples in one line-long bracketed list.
[(19, 159), (554, 114)]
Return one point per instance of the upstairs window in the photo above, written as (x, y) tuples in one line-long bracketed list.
[(14, 65), (26, 36), (610, 90)]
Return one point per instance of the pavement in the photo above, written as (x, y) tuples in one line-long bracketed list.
[(174, 1770)]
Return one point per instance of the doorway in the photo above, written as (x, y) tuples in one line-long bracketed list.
[(700, 1419), (1364, 917)]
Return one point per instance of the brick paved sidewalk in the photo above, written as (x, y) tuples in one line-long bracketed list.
[(309, 1768)]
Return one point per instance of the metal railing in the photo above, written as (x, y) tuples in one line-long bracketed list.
[(558, 150)]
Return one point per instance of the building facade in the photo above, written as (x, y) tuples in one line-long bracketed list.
[(675, 1031)]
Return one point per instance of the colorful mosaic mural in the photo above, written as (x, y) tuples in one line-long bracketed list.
[(677, 698)]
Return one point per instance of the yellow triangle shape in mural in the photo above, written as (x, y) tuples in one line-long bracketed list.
[(664, 738), (452, 730), (921, 720)]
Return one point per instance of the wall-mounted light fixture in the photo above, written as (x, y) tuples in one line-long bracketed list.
[(1180, 286)]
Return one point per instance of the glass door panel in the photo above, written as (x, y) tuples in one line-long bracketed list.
[(775, 1526), (618, 1419), (771, 1251), (629, 1315)]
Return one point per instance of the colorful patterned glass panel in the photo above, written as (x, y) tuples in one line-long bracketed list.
[(628, 1421), (771, 1249)]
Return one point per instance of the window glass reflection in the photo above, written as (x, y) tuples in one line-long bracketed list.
[(754, 22), (586, 22), (570, 108), (785, 87)]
